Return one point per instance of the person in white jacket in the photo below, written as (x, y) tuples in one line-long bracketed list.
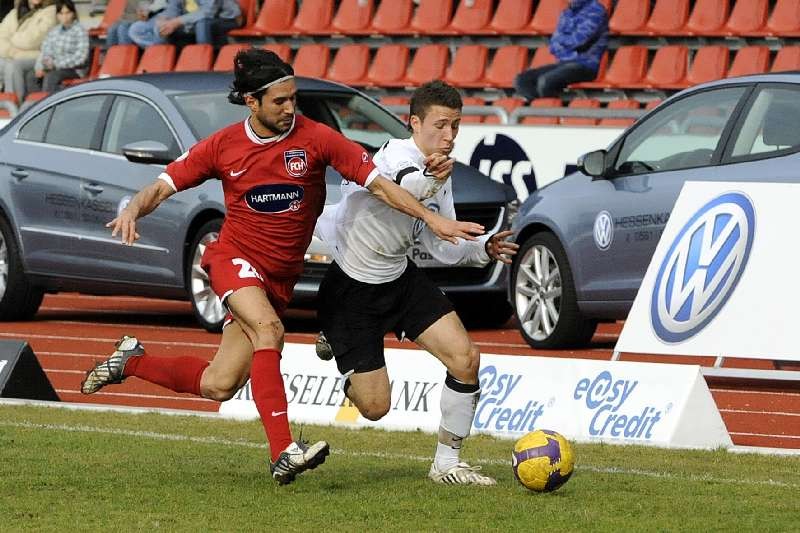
[(372, 287), (22, 33)]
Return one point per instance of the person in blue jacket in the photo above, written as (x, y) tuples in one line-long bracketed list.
[(578, 43)]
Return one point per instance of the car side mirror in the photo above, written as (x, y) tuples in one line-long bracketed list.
[(593, 164), (147, 152)]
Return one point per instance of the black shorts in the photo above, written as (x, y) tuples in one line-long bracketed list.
[(355, 316)]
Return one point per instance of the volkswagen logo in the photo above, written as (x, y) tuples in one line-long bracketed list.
[(603, 230), (702, 267)]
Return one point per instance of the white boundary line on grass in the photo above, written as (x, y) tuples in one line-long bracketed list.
[(378, 455)]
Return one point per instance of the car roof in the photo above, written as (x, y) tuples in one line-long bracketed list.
[(186, 82)]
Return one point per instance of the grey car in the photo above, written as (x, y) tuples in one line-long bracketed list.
[(73, 161), (587, 239)]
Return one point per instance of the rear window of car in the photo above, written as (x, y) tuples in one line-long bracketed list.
[(75, 121), (34, 129)]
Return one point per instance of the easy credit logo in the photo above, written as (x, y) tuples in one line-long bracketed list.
[(612, 402), (603, 230), (702, 267), (501, 158), (499, 410)]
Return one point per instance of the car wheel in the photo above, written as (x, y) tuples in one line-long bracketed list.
[(208, 309), (19, 300), (482, 311), (544, 296)]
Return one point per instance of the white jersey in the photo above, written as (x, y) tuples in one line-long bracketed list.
[(369, 239)]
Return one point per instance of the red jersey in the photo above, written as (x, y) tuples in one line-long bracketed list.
[(274, 188)]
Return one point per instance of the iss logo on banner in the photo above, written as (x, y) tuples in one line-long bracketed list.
[(603, 230), (501, 158), (702, 267)]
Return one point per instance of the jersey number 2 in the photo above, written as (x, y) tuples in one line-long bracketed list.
[(246, 270)]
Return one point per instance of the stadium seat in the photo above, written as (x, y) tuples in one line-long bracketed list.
[(113, 11), (785, 19), (599, 80), (542, 57), (432, 17), (707, 17), (748, 18), (353, 17), (668, 17), (472, 17), (393, 17), (508, 61), (629, 17), (224, 61), (511, 17), (581, 103), (472, 101), (157, 58), (314, 17), (389, 66), (545, 18), (429, 63), (709, 63), (35, 96), (508, 103), (12, 99), (668, 68), (350, 65), (282, 50), (787, 58), (628, 67), (120, 60), (750, 60), (619, 122), (195, 58), (274, 18), (248, 8), (542, 121), (652, 104), (468, 66), (312, 60)]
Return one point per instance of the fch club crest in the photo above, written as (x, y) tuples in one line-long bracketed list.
[(295, 161), (702, 267)]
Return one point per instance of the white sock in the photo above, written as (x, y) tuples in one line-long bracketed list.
[(458, 403)]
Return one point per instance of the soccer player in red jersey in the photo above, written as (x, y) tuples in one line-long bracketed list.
[(272, 168)]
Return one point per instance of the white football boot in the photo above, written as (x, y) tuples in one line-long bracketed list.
[(460, 474), (109, 372), (297, 458)]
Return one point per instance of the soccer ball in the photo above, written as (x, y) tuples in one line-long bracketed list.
[(542, 460)]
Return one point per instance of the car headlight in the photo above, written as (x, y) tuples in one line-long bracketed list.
[(318, 252)]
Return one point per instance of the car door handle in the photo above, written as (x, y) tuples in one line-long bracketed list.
[(94, 189), (19, 173)]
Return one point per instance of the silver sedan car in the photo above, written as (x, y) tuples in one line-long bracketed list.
[(586, 240)]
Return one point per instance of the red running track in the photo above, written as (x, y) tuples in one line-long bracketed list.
[(72, 331)]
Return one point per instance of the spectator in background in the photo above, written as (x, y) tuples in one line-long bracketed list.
[(21, 35), (578, 43), (135, 10), (65, 52), (200, 21)]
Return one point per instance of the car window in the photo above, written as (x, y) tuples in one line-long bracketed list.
[(362, 120), (209, 111), (133, 120), (34, 129), (771, 124), (683, 134), (75, 122)]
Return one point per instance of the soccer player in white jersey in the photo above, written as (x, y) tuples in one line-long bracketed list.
[(373, 288)]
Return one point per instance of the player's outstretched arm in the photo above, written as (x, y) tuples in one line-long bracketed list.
[(143, 203), (400, 199)]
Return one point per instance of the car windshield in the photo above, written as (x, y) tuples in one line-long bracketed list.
[(356, 116)]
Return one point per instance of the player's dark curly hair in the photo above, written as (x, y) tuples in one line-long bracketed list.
[(434, 93), (254, 68)]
